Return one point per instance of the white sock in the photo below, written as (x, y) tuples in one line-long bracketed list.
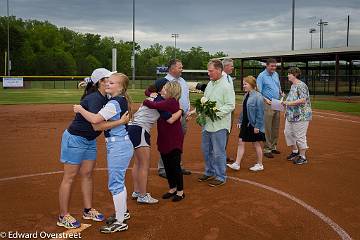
[(303, 156), (295, 151), (119, 200), (125, 200)]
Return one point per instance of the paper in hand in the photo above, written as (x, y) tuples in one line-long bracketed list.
[(276, 105)]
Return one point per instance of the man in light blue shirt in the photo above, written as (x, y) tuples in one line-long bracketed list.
[(175, 69), (184, 99), (268, 84)]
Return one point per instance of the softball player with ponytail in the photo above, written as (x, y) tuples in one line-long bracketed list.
[(78, 150), (119, 147)]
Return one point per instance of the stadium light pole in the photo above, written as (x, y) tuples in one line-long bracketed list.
[(175, 35), (293, 26), (133, 48), (311, 31), (347, 31), (8, 40), (321, 24)]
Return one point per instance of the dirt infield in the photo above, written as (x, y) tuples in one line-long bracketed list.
[(319, 200)]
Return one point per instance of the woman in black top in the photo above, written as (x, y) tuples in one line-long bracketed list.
[(78, 150)]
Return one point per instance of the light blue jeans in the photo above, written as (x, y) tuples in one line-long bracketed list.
[(119, 154), (213, 147)]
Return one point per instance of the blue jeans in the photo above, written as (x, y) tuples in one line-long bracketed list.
[(119, 154), (213, 147)]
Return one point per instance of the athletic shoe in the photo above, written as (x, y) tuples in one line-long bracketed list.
[(68, 222), (94, 215), (216, 183), (147, 199), (135, 195), (292, 155), (257, 167), (205, 178), (269, 155), (163, 175), (114, 227), (185, 171), (178, 198), (275, 151), (168, 195), (234, 166), (110, 220), (300, 160)]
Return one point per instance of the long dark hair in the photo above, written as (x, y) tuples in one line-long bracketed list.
[(90, 88)]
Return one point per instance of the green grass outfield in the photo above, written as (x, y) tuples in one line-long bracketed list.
[(72, 96)]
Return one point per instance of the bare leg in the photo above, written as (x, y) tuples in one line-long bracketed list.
[(259, 153), (142, 155), (240, 151), (70, 172), (135, 172), (294, 148), (86, 172)]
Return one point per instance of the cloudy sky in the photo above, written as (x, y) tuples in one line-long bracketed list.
[(227, 25)]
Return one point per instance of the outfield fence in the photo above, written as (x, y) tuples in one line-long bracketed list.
[(324, 85)]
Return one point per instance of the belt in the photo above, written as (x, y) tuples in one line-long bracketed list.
[(115, 139)]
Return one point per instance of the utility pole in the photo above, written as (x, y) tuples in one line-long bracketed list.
[(8, 41), (175, 35), (293, 27), (133, 49), (347, 32)]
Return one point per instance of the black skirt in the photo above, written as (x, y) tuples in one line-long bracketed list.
[(247, 131), (247, 134)]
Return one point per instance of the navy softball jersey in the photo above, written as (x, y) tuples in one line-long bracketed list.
[(93, 102)]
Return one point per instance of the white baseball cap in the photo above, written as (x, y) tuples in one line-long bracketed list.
[(99, 74)]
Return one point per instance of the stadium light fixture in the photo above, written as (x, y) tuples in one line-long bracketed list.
[(311, 31), (175, 35)]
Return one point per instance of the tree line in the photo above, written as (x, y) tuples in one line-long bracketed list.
[(41, 48)]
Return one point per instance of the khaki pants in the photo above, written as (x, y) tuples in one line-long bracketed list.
[(272, 122)]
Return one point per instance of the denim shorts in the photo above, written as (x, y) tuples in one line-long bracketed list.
[(75, 149)]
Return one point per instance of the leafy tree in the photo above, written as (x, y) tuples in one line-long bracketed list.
[(41, 48)]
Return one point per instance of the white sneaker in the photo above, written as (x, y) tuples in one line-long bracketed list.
[(257, 167), (147, 199), (135, 195), (234, 166)]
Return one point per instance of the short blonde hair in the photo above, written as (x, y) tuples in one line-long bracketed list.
[(173, 89), (251, 81)]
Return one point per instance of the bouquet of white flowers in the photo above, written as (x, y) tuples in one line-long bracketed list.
[(205, 108)]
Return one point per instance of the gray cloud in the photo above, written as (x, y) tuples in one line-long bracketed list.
[(229, 26)]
